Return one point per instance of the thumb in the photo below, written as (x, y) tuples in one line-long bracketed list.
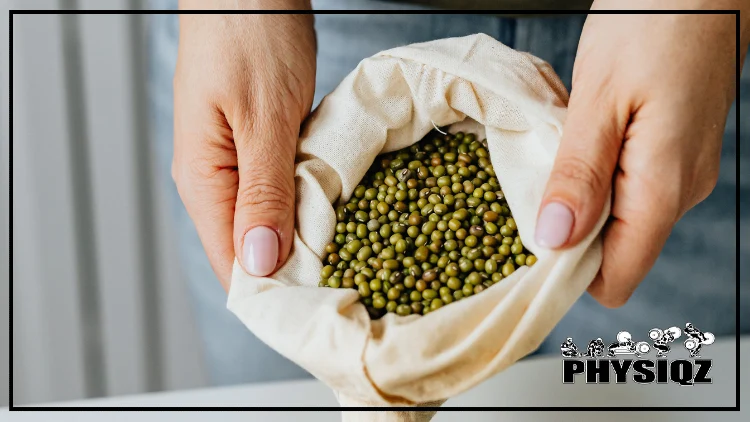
[(264, 212), (581, 177)]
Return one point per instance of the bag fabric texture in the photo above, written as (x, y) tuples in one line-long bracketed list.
[(390, 101)]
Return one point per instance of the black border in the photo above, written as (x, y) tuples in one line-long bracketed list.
[(738, 63)]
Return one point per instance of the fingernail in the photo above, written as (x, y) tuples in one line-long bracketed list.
[(554, 225), (260, 251)]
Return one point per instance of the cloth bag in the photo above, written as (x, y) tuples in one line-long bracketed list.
[(390, 101)]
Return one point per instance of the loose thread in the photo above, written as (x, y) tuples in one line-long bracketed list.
[(437, 128)]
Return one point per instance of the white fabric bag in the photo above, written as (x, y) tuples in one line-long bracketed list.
[(388, 102)]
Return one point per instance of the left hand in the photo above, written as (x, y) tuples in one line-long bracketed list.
[(645, 120), (243, 85)]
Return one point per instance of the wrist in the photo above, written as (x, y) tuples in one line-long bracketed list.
[(292, 26), (742, 5), (245, 5), (671, 5)]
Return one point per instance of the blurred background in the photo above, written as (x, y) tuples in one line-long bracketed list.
[(101, 307)]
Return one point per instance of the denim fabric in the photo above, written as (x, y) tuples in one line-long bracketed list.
[(693, 280)]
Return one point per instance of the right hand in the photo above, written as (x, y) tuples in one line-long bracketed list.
[(645, 123), (242, 87)]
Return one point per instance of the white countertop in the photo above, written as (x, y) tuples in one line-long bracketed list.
[(533, 382)]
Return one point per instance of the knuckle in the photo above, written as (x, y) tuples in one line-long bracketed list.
[(574, 170), (174, 173), (706, 186), (178, 176), (614, 301), (266, 195), (202, 167), (610, 293), (658, 201), (199, 183)]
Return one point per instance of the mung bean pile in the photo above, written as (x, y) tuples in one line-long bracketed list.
[(428, 225)]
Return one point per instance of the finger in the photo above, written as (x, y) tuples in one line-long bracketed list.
[(204, 170), (581, 177), (213, 216), (654, 186), (264, 212), (643, 216)]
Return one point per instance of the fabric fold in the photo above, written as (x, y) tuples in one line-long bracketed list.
[(388, 102)]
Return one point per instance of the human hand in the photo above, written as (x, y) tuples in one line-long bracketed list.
[(645, 120), (242, 87)]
